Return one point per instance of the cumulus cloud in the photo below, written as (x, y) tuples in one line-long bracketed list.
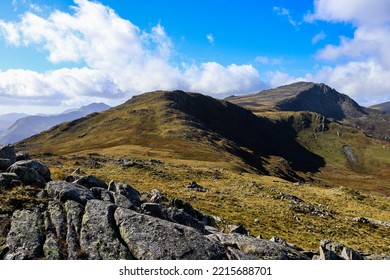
[(218, 79), (119, 59), (356, 11), (362, 63), (279, 78)]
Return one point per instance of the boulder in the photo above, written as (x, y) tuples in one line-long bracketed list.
[(260, 248), (103, 194), (181, 217), (26, 237), (31, 172), (99, 236), (9, 180), (74, 215), (122, 201), (63, 191), (330, 250), (8, 152), (55, 229), (240, 229), (91, 182), (283, 242), (157, 197), (195, 186), (5, 163), (22, 156), (150, 238), (126, 190)]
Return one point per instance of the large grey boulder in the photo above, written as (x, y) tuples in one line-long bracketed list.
[(63, 191), (26, 237), (257, 248), (99, 235), (31, 172), (8, 152), (150, 238)]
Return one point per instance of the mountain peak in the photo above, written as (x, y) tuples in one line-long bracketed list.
[(304, 96)]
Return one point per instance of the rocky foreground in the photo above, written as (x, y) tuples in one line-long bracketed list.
[(86, 218)]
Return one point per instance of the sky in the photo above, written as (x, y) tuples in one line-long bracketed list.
[(64, 54)]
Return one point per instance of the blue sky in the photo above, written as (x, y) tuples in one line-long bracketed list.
[(59, 54)]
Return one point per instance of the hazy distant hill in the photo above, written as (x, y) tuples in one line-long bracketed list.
[(319, 98), (383, 107), (30, 125), (8, 119)]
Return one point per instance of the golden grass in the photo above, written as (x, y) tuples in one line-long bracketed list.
[(248, 199)]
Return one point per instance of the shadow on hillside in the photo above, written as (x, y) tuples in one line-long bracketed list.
[(248, 132)]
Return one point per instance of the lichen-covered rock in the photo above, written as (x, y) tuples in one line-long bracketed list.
[(150, 238), (260, 248), (74, 216), (26, 237), (55, 228), (63, 191), (31, 172), (99, 235)]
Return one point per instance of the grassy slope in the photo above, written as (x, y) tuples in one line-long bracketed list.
[(157, 130)]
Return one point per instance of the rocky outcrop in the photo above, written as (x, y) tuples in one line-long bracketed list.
[(330, 250), (86, 218)]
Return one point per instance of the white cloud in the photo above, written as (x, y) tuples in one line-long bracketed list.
[(215, 78), (285, 13), (361, 65), (366, 81), (120, 59), (268, 61), (278, 78), (357, 11), (210, 38), (318, 37)]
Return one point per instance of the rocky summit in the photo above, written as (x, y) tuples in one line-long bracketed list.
[(84, 217)]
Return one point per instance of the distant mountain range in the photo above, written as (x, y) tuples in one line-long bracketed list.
[(8, 119), (21, 126), (321, 99)]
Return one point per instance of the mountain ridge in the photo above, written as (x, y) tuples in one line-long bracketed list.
[(319, 98), (30, 125), (164, 118)]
